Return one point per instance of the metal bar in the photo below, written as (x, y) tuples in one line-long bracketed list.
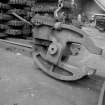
[(23, 49), (102, 96), (22, 19), (15, 43)]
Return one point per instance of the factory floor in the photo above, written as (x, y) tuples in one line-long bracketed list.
[(22, 84)]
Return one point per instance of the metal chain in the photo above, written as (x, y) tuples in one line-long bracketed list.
[(60, 5)]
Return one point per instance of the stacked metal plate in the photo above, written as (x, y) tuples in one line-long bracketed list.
[(4, 17), (17, 26)]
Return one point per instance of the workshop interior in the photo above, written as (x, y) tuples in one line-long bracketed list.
[(65, 39)]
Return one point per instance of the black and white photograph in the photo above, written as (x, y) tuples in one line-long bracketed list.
[(52, 52)]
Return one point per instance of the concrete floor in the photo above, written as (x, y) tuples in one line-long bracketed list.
[(22, 84)]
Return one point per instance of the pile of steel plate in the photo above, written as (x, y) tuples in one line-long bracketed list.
[(11, 26), (4, 17)]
